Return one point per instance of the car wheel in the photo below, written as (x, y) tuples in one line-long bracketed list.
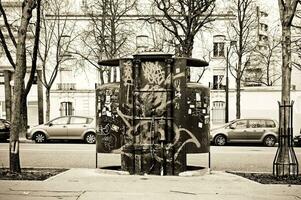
[(269, 141), (90, 138), (220, 140), (39, 137)]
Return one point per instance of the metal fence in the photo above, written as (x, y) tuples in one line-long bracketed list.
[(285, 162)]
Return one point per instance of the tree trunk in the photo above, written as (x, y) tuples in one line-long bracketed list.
[(47, 104), (285, 99), (7, 79), (17, 108), (238, 87), (101, 76), (40, 97), (109, 74), (19, 96), (114, 74), (286, 67), (24, 117), (186, 51), (268, 74)]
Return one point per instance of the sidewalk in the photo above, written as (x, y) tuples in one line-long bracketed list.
[(92, 184)]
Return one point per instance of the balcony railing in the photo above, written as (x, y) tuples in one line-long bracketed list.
[(66, 86)]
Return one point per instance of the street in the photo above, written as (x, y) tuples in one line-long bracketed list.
[(77, 155)]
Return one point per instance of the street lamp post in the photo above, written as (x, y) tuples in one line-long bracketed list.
[(232, 43)]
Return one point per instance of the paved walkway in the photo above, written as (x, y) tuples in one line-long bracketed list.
[(92, 184)]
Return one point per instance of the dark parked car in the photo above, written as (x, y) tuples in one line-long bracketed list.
[(297, 139), (66, 128), (4, 129), (246, 130)]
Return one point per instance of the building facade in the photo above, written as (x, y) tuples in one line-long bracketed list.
[(73, 91)]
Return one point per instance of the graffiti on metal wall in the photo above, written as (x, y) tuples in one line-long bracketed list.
[(109, 127), (155, 103), (151, 104), (127, 78)]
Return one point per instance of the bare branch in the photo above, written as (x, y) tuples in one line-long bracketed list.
[(7, 52), (35, 48), (7, 25)]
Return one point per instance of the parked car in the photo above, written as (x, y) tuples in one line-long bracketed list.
[(246, 130), (67, 127), (4, 129), (297, 139)]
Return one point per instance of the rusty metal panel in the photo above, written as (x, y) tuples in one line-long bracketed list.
[(191, 112), (150, 102), (157, 117), (125, 111), (198, 122), (109, 129)]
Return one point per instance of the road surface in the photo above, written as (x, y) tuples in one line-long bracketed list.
[(79, 155)]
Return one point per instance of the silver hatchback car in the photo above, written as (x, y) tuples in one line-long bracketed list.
[(246, 130), (67, 127)]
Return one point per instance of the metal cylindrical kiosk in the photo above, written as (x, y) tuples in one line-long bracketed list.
[(160, 117)]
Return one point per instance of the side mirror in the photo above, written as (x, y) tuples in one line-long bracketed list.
[(50, 124), (231, 126)]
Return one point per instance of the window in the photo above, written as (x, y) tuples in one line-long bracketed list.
[(218, 49), (66, 108), (78, 120), (240, 124), (256, 123), (1, 78), (61, 120), (217, 82), (270, 124)]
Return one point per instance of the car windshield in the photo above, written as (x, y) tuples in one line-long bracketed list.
[(239, 124)]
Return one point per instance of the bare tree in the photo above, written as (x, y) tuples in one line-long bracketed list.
[(158, 37), (268, 58), (55, 43), (241, 31), (107, 35), (184, 19), (20, 90), (206, 57), (287, 10)]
